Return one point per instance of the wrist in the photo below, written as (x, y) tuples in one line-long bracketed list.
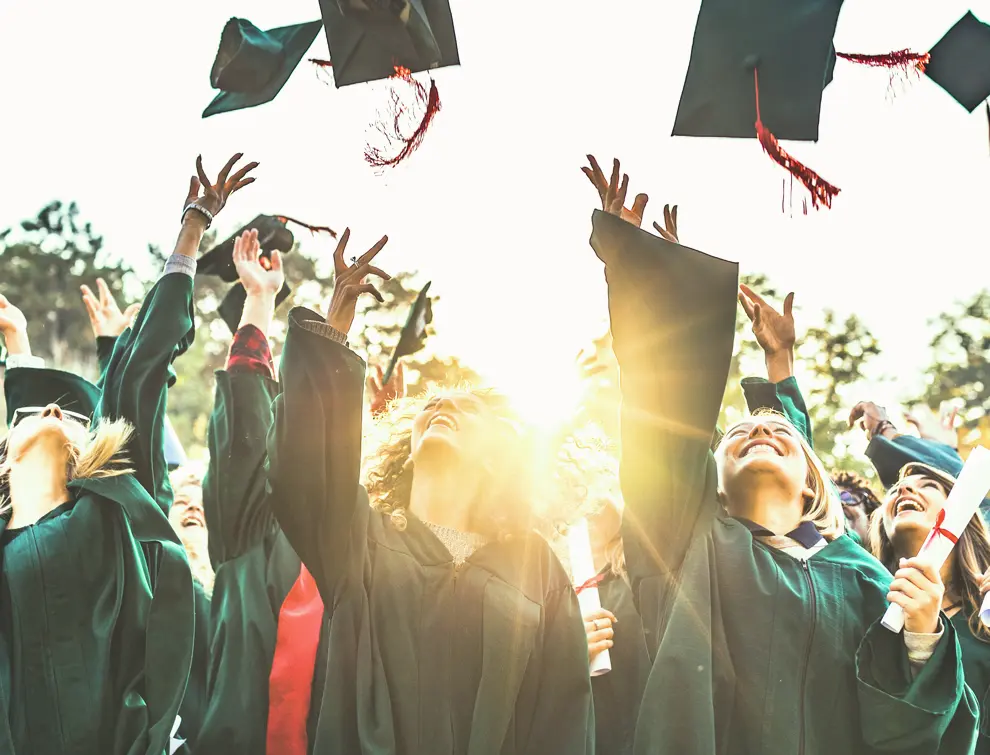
[(885, 428), (197, 213), (780, 365), (17, 343)]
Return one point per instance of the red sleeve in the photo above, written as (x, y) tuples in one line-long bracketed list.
[(250, 352)]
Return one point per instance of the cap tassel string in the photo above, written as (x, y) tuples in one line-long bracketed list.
[(314, 229), (324, 70), (821, 190), (392, 128), (902, 64)]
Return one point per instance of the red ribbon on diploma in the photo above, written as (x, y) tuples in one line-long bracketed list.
[(593, 582), (937, 530)]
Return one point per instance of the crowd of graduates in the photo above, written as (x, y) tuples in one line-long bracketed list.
[(357, 571)]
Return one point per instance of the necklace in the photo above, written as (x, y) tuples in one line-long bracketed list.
[(460, 544)]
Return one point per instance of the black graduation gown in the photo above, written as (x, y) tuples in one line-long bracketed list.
[(97, 596), (255, 568), (619, 692), (425, 657)]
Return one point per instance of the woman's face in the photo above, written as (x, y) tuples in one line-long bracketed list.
[(456, 426), (763, 450), (912, 505), (187, 517), (49, 428)]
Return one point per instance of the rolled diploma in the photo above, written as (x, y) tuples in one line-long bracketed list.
[(961, 506), (583, 569)]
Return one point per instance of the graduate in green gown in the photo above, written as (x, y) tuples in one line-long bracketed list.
[(761, 617), (454, 628), (899, 529)]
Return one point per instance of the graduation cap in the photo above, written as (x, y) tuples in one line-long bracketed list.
[(232, 307), (252, 65), (272, 235), (368, 39), (175, 456), (40, 387), (413, 336), (960, 62), (766, 63)]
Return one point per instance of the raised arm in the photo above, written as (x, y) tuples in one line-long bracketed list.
[(106, 319), (775, 333), (237, 513), (672, 313), (314, 447), (136, 380)]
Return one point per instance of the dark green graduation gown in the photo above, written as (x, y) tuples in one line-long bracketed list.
[(618, 693), (754, 651), (425, 658), (976, 664), (194, 701), (97, 597), (255, 568)]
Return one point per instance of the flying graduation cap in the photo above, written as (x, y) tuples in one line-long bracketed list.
[(413, 336), (252, 65), (960, 62), (757, 70), (372, 40), (272, 235)]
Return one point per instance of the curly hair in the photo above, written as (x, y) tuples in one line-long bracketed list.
[(535, 482), (855, 484)]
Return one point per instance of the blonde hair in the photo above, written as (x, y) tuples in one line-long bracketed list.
[(388, 467), (824, 510), (99, 456), (187, 474), (970, 561)]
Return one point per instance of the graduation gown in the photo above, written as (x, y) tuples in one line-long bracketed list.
[(255, 569), (96, 598), (425, 657), (784, 397), (753, 650), (193, 707), (618, 693)]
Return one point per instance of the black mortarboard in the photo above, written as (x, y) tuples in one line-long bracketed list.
[(413, 336), (369, 38), (788, 42), (960, 62), (232, 307), (252, 65), (272, 235)]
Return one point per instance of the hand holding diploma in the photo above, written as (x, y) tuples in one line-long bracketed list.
[(961, 506), (597, 621)]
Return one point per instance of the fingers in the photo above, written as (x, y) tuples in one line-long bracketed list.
[(276, 261), (924, 566), (131, 312), (668, 219), (673, 216), (906, 587), (354, 290), (602, 634), (857, 413), (912, 420), (106, 298), (788, 304), (613, 186), (371, 253), (339, 265), (599, 187), (89, 301), (757, 317), (664, 233), (203, 180), (639, 205), (598, 177), (600, 613), (194, 187), (238, 181), (620, 198), (747, 306), (597, 649), (241, 184), (752, 294), (222, 178)]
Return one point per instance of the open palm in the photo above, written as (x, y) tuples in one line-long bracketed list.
[(774, 331)]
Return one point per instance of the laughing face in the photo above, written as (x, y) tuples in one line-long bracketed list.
[(455, 425), (187, 517), (763, 450), (912, 506)]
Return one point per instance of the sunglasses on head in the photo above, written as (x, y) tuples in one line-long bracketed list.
[(36, 411)]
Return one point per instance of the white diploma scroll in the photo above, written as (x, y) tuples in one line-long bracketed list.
[(583, 570), (961, 506)]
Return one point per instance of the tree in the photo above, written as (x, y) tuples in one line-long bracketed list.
[(44, 264), (960, 367)]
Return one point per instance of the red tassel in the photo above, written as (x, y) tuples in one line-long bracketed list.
[(429, 100), (321, 63), (903, 59), (821, 190), (324, 70), (283, 219)]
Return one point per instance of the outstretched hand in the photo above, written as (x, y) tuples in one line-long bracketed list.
[(105, 316), (870, 417), (259, 275), (13, 328), (613, 194), (774, 331), (940, 427), (349, 282), (383, 394), (215, 195), (669, 231)]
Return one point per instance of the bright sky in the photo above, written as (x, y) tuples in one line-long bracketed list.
[(102, 105)]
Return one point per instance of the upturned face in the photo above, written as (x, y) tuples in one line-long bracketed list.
[(457, 426), (188, 518), (912, 505), (48, 427), (759, 451)]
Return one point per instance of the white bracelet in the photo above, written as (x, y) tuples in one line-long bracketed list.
[(201, 210)]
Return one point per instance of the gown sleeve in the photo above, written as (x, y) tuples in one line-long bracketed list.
[(672, 313), (104, 351), (314, 448), (933, 713), (784, 397), (136, 380)]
